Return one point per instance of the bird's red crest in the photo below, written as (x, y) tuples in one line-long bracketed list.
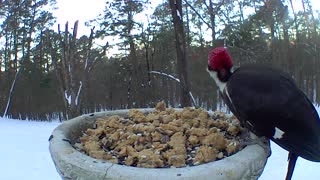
[(219, 58)]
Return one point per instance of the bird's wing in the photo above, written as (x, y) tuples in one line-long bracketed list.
[(269, 103)]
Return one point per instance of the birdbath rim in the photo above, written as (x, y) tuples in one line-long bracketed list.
[(72, 164)]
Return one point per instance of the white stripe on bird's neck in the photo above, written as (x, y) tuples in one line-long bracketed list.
[(219, 83)]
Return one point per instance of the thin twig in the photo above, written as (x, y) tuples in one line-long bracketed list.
[(195, 11), (175, 79)]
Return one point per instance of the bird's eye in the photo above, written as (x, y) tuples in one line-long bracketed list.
[(210, 68)]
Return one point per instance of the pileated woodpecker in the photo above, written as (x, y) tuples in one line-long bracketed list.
[(268, 103)]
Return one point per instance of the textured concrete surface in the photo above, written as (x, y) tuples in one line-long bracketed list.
[(72, 164)]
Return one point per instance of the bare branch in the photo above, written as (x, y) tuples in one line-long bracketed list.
[(89, 49), (195, 11), (166, 75), (78, 94), (175, 79), (5, 114)]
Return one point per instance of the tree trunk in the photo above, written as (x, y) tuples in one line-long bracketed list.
[(176, 11), (295, 23), (307, 8), (188, 29), (212, 21), (133, 81), (70, 89), (13, 85), (306, 18)]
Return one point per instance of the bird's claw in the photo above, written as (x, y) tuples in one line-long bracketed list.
[(251, 139)]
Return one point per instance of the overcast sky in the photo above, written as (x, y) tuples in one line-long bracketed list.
[(84, 10)]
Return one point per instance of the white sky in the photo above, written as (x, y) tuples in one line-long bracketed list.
[(84, 10)]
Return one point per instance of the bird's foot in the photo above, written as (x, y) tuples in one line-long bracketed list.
[(251, 139)]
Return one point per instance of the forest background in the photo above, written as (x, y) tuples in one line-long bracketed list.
[(48, 72)]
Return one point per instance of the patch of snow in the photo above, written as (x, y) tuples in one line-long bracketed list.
[(78, 94), (11, 91), (165, 74), (276, 167), (68, 97), (86, 64), (178, 14), (24, 152), (192, 98)]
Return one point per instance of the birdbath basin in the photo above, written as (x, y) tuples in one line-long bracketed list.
[(73, 164)]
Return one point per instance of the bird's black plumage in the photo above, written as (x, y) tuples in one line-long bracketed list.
[(268, 103), (264, 99)]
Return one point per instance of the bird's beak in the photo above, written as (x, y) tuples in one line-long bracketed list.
[(209, 68)]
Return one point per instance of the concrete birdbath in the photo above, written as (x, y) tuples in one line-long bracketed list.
[(70, 163)]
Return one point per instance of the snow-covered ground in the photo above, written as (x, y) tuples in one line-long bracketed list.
[(24, 155), (24, 150), (276, 167)]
